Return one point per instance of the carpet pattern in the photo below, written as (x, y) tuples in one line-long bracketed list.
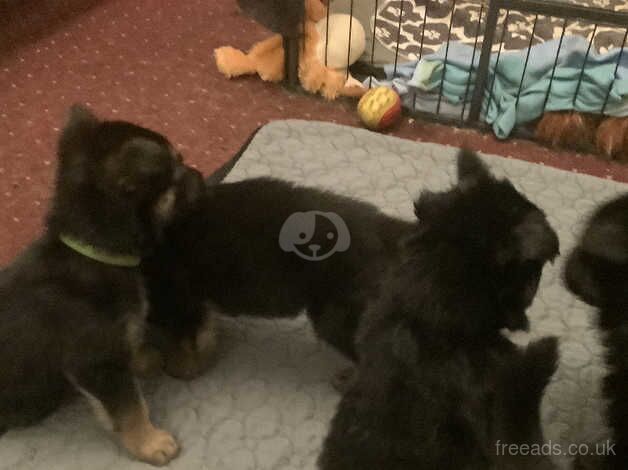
[(151, 63)]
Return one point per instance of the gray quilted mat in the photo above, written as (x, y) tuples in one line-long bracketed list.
[(268, 402)]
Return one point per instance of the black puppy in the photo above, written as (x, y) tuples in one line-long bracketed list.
[(597, 272), (266, 247), (73, 306), (438, 386)]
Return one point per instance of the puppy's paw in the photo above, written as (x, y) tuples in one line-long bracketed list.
[(193, 356), (152, 445)]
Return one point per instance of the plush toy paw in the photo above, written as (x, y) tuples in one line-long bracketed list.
[(311, 76), (273, 70), (353, 88), (567, 129), (232, 62), (611, 138), (333, 85), (315, 10)]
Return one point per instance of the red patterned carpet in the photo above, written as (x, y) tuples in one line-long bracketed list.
[(151, 62)]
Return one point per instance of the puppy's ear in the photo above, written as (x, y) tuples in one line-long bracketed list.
[(75, 139), (536, 239), (471, 169), (80, 121), (607, 240)]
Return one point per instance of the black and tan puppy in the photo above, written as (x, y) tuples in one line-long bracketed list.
[(438, 386), (72, 307), (266, 247), (597, 272)]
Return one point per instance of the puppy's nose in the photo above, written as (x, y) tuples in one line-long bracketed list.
[(314, 247)]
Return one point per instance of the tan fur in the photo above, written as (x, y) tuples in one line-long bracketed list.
[(143, 440), (612, 138), (315, 10), (190, 358), (165, 205), (136, 323), (134, 429), (568, 129), (95, 404), (266, 59), (147, 362)]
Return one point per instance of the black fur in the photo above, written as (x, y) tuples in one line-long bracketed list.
[(437, 383), (597, 272), (227, 251), (64, 318)]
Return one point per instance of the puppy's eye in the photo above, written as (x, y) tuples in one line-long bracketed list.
[(330, 235)]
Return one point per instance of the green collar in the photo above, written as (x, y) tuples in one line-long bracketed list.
[(90, 251)]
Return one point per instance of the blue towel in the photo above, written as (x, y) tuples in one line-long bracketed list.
[(503, 111)]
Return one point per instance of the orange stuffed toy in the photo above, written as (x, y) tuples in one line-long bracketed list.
[(266, 58), (612, 139)]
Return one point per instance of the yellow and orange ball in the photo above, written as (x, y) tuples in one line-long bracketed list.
[(380, 108)]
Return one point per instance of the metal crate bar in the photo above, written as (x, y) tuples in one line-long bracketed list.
[(475, 47), (483, 66), (372, 42), (619, 57), (584, 66), (525, 65), (489, 17), (327, 33), (350, 34), (291, 61), (425, 15), (560, 46), (442, 81), (398, 38), (499, 55)]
